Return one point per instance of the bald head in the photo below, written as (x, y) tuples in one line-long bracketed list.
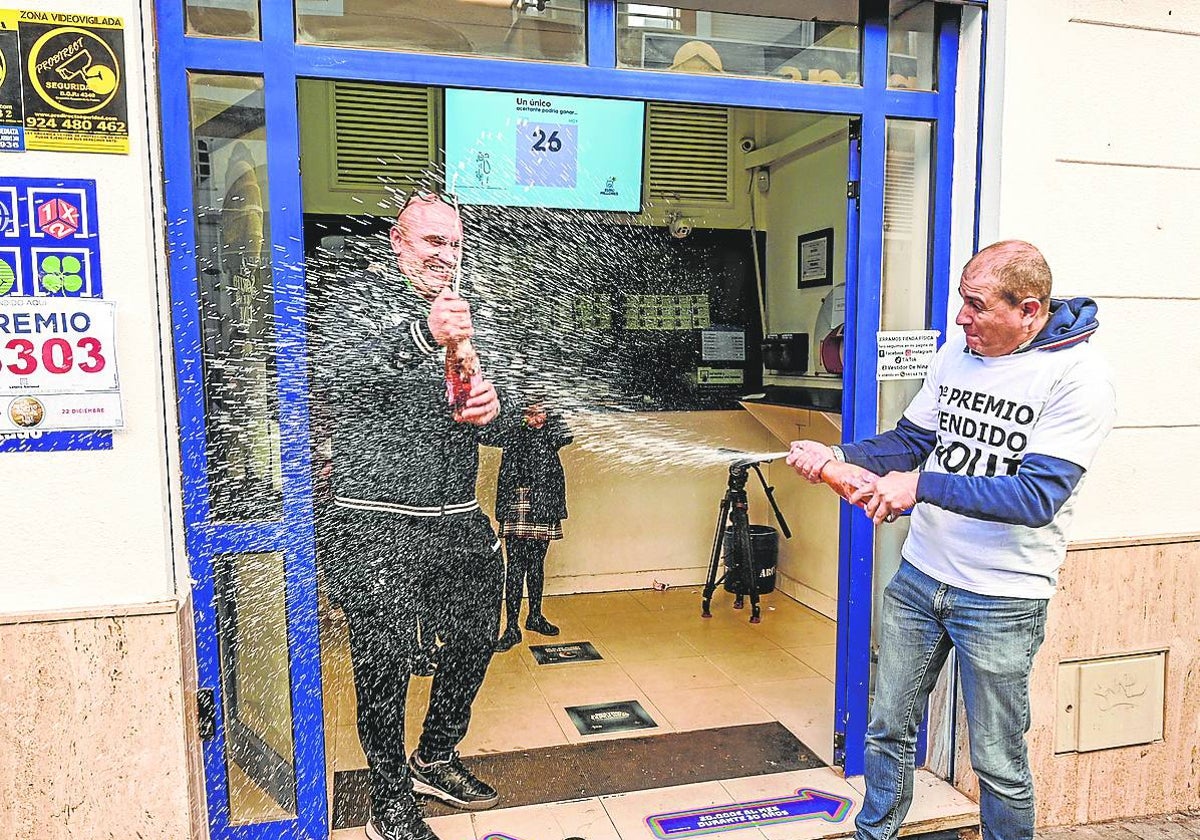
[(427, 242), (1018, 271), (1005, 290)]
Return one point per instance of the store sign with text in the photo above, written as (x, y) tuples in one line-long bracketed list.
[(58, 365), (62, 82), (905, 354)]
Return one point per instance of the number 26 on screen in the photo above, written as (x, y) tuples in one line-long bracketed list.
[(543, 142)]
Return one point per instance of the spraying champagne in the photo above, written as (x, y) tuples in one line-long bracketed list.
[(844, 479), (462, 362)]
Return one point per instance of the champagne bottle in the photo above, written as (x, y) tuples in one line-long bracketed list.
[(845, 478), (462, 372)]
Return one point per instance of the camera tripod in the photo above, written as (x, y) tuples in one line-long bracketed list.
[(740, 562)]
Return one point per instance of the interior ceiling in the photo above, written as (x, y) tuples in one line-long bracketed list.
[(780, 124), (835, 11)]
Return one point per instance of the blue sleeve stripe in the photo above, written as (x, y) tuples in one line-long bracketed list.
[(1031, 498)]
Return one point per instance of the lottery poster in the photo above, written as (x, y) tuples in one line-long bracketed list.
[(59, 388), (527, 150), (62, 82)]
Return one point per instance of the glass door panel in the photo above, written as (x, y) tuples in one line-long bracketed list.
[(256, 686), (242, 467), (237, 303), (224, 18), (795, 41), (912, 44), (540, 30), (904, 293)]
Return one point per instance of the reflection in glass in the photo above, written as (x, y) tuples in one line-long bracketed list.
[(912, 45), (904, 294), (237, 302), (224, 18), (906, 195), (795, 40), (256, 686), (542, 30)]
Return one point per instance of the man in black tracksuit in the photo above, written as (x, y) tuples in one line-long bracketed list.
[(406, 527)]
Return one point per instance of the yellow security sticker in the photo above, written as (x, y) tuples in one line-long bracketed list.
[(73, 87)]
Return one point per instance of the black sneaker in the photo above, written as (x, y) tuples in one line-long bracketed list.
[(452, 783), (400, 825), (509, 639), (539, 624)]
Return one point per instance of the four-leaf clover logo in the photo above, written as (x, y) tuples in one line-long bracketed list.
[(61, 274), (7, 277)]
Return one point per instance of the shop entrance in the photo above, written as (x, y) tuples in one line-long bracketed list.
[(841, 181), (611, 317)]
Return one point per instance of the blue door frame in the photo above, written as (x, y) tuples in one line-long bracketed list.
[(279, 61)]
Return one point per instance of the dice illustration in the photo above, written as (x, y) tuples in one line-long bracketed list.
[(58, 218)]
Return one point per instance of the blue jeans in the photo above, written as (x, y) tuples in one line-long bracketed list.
[(995, 639)]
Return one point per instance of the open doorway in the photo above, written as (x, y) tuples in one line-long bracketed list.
[(720, 288)]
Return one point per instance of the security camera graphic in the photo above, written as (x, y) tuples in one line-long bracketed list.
[(75, 66), (98, 78), (679, 227)]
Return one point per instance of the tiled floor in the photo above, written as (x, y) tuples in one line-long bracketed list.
[(625, 816), (687, 672)]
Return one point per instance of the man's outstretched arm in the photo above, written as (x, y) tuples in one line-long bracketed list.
[(1031, 498), (903, 448)]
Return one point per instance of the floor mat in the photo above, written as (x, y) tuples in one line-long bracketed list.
[(601, 768)]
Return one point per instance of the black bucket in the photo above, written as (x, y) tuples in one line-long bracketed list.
[(764, 553)]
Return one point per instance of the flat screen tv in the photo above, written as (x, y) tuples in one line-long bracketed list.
[(544, 150)]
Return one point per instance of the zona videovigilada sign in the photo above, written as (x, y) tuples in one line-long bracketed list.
[(66, 92)]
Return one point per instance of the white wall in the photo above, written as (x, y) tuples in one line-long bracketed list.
[(89, 529), (808, 193), (631, 524), (1099, 166)]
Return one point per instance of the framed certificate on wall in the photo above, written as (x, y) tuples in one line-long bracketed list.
[(814, 259)]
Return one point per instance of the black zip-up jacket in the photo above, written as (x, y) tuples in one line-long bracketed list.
[(396, 445)]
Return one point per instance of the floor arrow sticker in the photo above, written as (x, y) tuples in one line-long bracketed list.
[(807, 804)]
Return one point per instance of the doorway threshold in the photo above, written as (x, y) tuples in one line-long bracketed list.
[(796, 805), (607, 767)]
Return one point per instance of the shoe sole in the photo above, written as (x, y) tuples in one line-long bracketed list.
[(373, 834), (422, 789)]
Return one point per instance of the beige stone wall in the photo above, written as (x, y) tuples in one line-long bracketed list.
[(1114, 600), (1088, 154), (1093, 116), (93, 739), (92, 743)]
